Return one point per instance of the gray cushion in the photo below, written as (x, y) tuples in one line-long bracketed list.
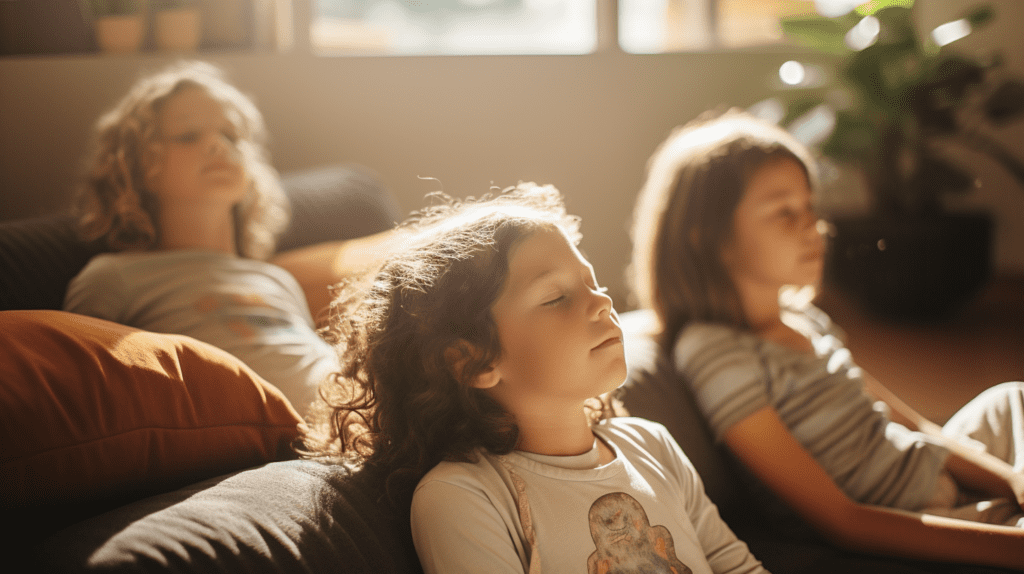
[(291, 516)]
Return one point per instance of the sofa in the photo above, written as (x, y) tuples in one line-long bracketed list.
[(128, 451)]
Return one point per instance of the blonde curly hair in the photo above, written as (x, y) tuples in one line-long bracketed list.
[(113, 202)]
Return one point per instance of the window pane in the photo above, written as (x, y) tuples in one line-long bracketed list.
[(454, 26), (754, 22), (652, 26)]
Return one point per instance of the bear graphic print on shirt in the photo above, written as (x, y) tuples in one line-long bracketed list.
[(626, 542)]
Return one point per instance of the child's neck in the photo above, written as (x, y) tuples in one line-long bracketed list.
[(190, 226), (764, 314), (566, 435)]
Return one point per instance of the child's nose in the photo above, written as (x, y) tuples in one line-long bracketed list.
[(218, 143), (602, 303), (809, 221)]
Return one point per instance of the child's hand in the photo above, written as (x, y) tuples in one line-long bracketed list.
[(1016, 481)]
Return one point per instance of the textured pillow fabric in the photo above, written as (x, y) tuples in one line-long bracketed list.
[(293, 516), (93, 410)]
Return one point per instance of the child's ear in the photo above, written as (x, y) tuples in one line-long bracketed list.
[(457, 355), (486, 379)]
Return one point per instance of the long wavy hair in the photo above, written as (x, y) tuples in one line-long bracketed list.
[(113, 201), (398, 403), (684, 216)]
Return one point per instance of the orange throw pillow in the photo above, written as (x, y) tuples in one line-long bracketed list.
[(91, 409)]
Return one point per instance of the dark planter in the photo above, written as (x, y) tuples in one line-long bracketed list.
[(919, 269)]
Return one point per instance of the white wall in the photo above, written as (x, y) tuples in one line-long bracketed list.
[(586, 124)]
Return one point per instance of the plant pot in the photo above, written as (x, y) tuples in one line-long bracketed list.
[(918, 269), (120, 34), (177, 29)]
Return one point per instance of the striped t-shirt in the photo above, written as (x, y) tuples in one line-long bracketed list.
[(820, 397)]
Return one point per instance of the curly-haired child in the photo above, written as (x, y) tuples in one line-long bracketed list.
[(467, 364), (179, 186)]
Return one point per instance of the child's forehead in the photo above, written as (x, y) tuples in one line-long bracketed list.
[(193, 102), (542, 253)]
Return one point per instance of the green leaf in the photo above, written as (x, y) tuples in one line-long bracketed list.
[(825, 34), (896, 30), (798, 107), (852, 139), (870, 8), (981, 16)]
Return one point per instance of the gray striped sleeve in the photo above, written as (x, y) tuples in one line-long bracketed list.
[(723, 371)]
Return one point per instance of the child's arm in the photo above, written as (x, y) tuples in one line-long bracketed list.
[(972, 468), (764, 444), (318, 267), (900, 411)]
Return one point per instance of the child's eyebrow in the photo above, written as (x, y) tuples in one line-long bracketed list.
[(539, 277), (544, 274), (775, 194)]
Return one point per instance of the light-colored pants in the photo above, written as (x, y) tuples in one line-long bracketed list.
[(993, 422)]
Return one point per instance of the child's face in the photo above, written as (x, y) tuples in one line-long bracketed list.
[(560, 338), (199, 158), (775, 239)]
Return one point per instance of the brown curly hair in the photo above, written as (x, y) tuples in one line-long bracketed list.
[(684, 215), (397, 403), (112, 201)]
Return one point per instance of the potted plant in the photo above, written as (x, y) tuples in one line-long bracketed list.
[(119, 24), (904, 103), (177, 25)]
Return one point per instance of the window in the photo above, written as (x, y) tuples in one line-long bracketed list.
[(448, 27), (654, 26)]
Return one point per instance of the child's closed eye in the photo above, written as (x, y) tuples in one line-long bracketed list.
[(186, 138), (554, 301)]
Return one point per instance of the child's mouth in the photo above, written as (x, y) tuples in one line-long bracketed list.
[(617, 340)]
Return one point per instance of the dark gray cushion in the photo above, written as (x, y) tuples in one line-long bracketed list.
[(336, 202), (38, 257), (292, 516)]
